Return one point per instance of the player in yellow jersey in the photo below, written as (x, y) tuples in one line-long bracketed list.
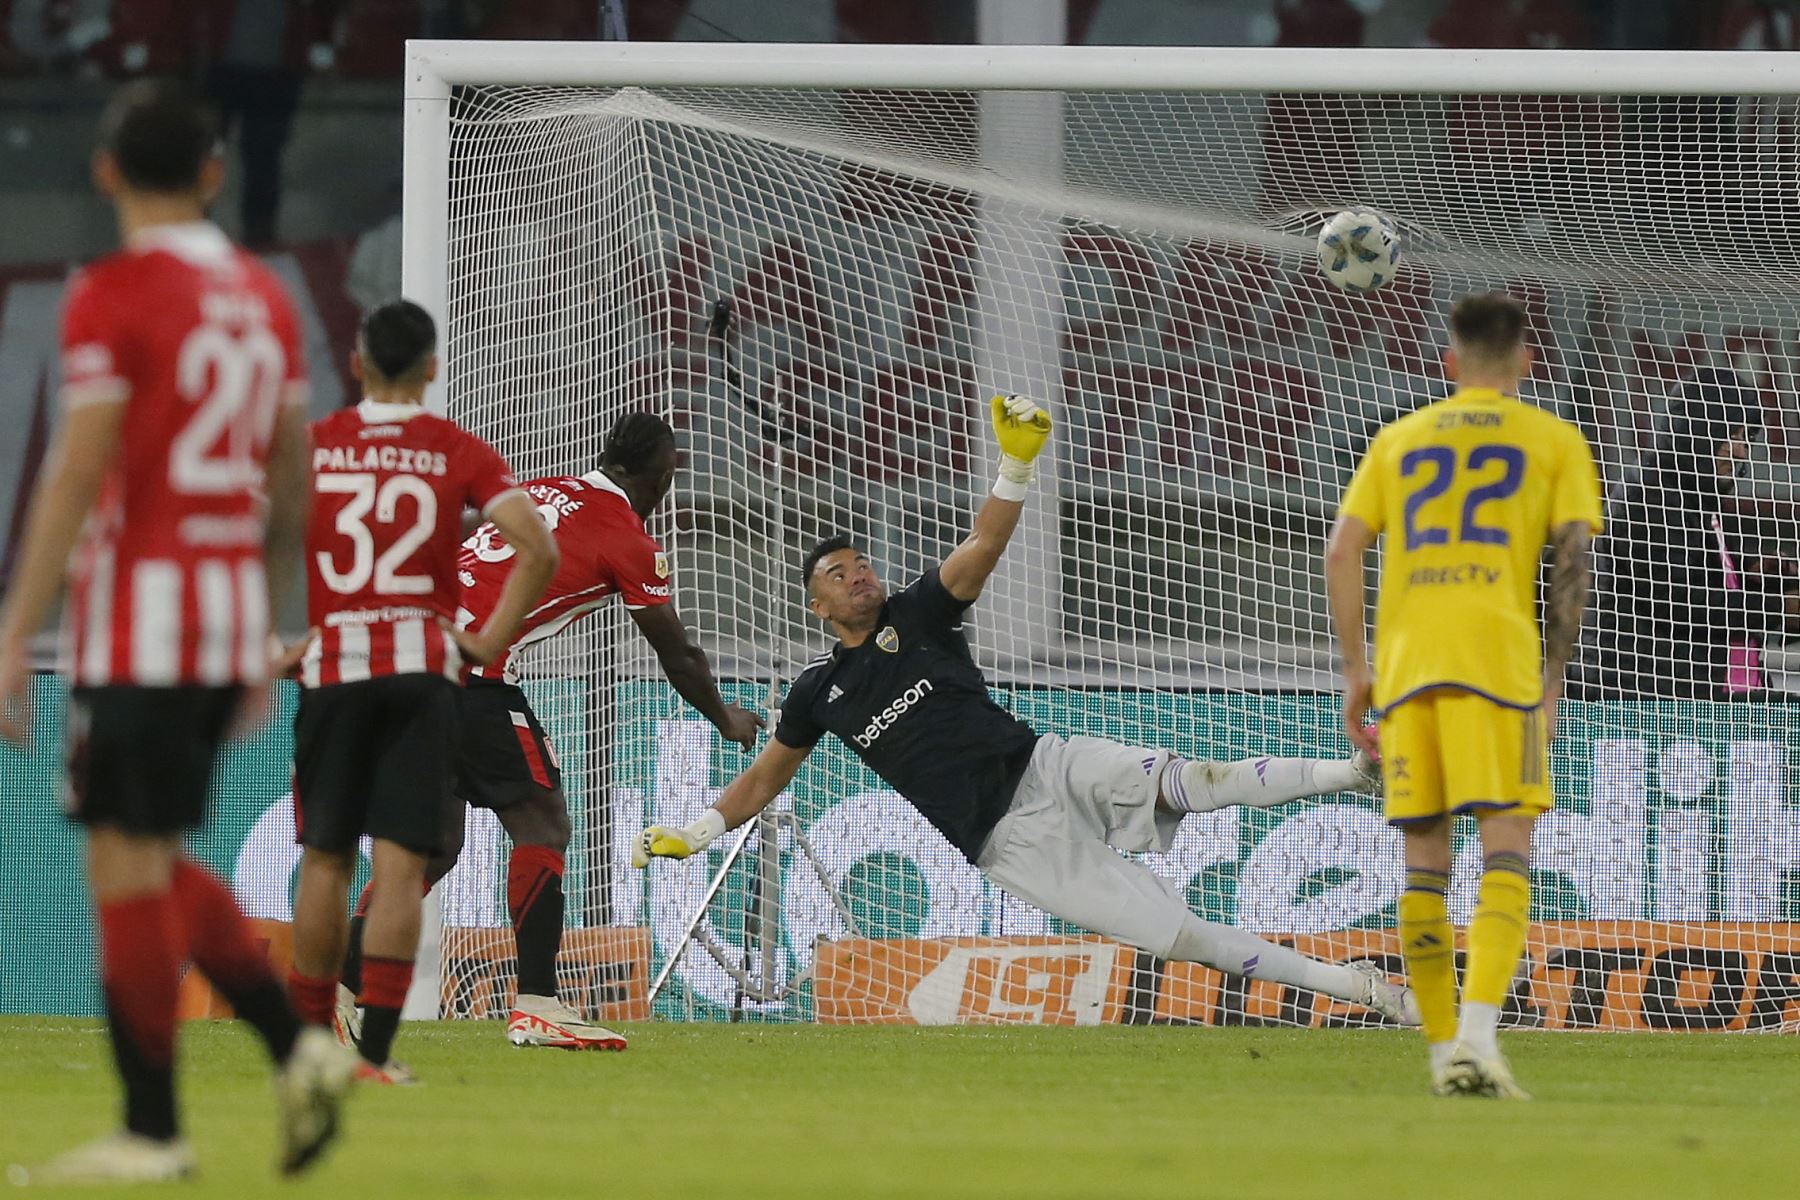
[(1467, 492)]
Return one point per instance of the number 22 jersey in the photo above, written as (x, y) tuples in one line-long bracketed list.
[(1465, 493), (390, 482)]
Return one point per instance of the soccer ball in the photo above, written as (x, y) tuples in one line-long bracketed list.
[(1359, 249)]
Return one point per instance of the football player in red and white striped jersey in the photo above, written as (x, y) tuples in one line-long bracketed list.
[(374, 736), (173, 500), (504, 761)]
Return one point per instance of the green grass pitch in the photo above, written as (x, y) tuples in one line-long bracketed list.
[(750, 1110)]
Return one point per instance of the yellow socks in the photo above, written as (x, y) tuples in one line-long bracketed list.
[(1429, 947), (1496, 939), (1497, 932)]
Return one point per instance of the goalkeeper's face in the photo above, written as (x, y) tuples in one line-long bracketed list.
[(845, 589)]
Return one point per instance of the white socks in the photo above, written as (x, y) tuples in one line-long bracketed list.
[(1477, 1027), (1226, 949), (1201, 786)]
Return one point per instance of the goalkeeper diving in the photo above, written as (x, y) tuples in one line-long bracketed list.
[(1042, 816)]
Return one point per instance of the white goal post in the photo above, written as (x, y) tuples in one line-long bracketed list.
[(818, 261)]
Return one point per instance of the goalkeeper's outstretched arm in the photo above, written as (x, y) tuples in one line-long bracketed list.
[(743, 798), (1022, 428)]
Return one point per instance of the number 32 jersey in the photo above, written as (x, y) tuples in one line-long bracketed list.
[(198, 341), (390, 482), (1465, 493)]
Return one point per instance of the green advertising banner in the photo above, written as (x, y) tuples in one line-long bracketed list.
[(1666, 812), (47, 954), (47, 959)]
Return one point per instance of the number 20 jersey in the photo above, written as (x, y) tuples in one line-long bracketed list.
[(1465, 493), (390, 482), (198, 341)]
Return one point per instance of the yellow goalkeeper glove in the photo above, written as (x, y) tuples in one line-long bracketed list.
[(659, 841), (1022, 427)]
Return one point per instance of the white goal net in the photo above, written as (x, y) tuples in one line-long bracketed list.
[(821, 287)]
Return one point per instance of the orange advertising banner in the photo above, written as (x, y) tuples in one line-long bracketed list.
[(972, 981), (1594, 975), (197, 1000)]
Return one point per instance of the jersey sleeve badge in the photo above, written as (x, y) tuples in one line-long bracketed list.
[(662, 565)]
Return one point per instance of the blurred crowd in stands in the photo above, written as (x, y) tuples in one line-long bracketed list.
[(1539, 24), (254, 57), (1699, 595), (362, 38)]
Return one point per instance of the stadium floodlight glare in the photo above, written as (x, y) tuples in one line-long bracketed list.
[(819, 261)]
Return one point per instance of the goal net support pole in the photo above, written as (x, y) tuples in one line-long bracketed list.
[(1016, 346), (761, 911)]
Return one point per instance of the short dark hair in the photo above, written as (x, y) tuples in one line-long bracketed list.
[(831, 545), (396, 339), (634, 441), (1488, 324), (160, 133)]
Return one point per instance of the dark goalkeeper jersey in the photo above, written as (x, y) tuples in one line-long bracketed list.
[(911, 704)]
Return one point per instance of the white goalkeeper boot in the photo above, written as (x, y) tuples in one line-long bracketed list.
[(547, 1021), (117, 1158), (1394, 1001), (1368, 766), (1471, 1072)]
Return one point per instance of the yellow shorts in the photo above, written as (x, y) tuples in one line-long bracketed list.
[(1449, 751)]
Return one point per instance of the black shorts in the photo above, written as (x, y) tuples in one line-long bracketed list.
[(374, 757), (140, 759), (502, 756)]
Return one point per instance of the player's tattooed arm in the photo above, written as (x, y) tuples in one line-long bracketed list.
[(1345, 556), (1571, 579)]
